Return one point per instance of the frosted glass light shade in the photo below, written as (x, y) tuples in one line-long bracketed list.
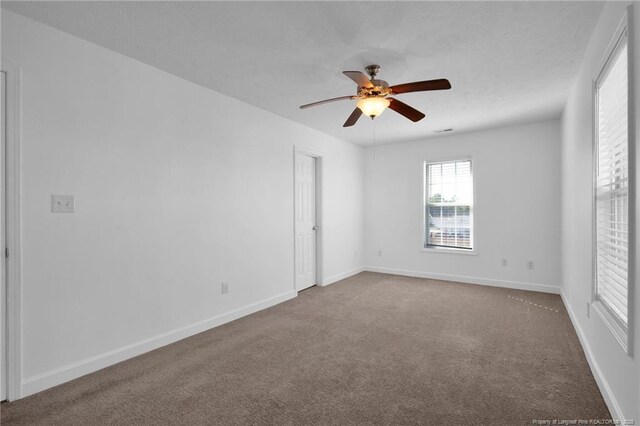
[(373, 106)]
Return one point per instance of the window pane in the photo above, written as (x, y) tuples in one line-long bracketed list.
[(448, 204)]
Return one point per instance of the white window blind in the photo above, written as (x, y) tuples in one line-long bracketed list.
[(612, 186), (449, 205)]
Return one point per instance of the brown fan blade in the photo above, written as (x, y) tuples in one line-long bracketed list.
[(403, 109), (353, 118), (421, 86), (360, 79), (326, 101)]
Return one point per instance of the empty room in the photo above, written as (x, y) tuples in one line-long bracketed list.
[(319, 213)]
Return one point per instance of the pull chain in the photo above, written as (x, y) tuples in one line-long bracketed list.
[(374, 138)]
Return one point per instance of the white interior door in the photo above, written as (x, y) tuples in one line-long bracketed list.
[(3, 244), (305, 221)]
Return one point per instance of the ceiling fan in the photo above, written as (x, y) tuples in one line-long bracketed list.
[(374, 96)]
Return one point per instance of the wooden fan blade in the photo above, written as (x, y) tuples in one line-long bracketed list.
[(403, 109), (421, 86), (360, 79), (326, 101), (353, 118)]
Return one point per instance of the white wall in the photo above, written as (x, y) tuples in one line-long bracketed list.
[(617, 373), (178, 188), (516, 172)]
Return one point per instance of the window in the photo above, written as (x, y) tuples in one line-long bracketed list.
[(612, 190), (448, 205)]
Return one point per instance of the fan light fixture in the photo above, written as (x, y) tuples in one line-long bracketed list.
[(373, 106)]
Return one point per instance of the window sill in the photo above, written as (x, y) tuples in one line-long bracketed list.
[(445, 250), (617, 330)]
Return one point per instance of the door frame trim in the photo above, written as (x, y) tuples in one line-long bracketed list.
[(320, 231), (13, 197)]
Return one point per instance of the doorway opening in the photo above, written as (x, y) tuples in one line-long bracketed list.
[(10, 235), (3, 240)]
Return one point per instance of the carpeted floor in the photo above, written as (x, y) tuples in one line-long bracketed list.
[(372, 349)]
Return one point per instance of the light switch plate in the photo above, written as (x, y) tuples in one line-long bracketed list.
[(63, 203)]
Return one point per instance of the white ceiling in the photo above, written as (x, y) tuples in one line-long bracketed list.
[(508, 62)]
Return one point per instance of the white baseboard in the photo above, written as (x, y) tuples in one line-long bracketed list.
[(544, 288), (61, 375), (341, 276), (603, 385)]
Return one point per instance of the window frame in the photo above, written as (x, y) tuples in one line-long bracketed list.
[(442, 249), (623, 333)]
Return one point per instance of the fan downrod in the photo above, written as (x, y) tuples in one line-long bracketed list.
[(372, 70)]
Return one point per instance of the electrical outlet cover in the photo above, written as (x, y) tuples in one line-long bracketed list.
[(63, 203)]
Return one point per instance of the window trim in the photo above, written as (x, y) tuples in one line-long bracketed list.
[(622, 333), (473, 251)]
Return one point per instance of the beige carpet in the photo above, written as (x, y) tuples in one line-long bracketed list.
[(372, 349)]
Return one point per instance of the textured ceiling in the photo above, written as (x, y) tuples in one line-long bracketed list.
[(508, 62)]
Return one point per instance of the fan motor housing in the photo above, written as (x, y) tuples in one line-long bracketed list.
[(380, 83), (380, 88)]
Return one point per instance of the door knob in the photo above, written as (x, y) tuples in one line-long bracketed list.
[(315, 227)]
